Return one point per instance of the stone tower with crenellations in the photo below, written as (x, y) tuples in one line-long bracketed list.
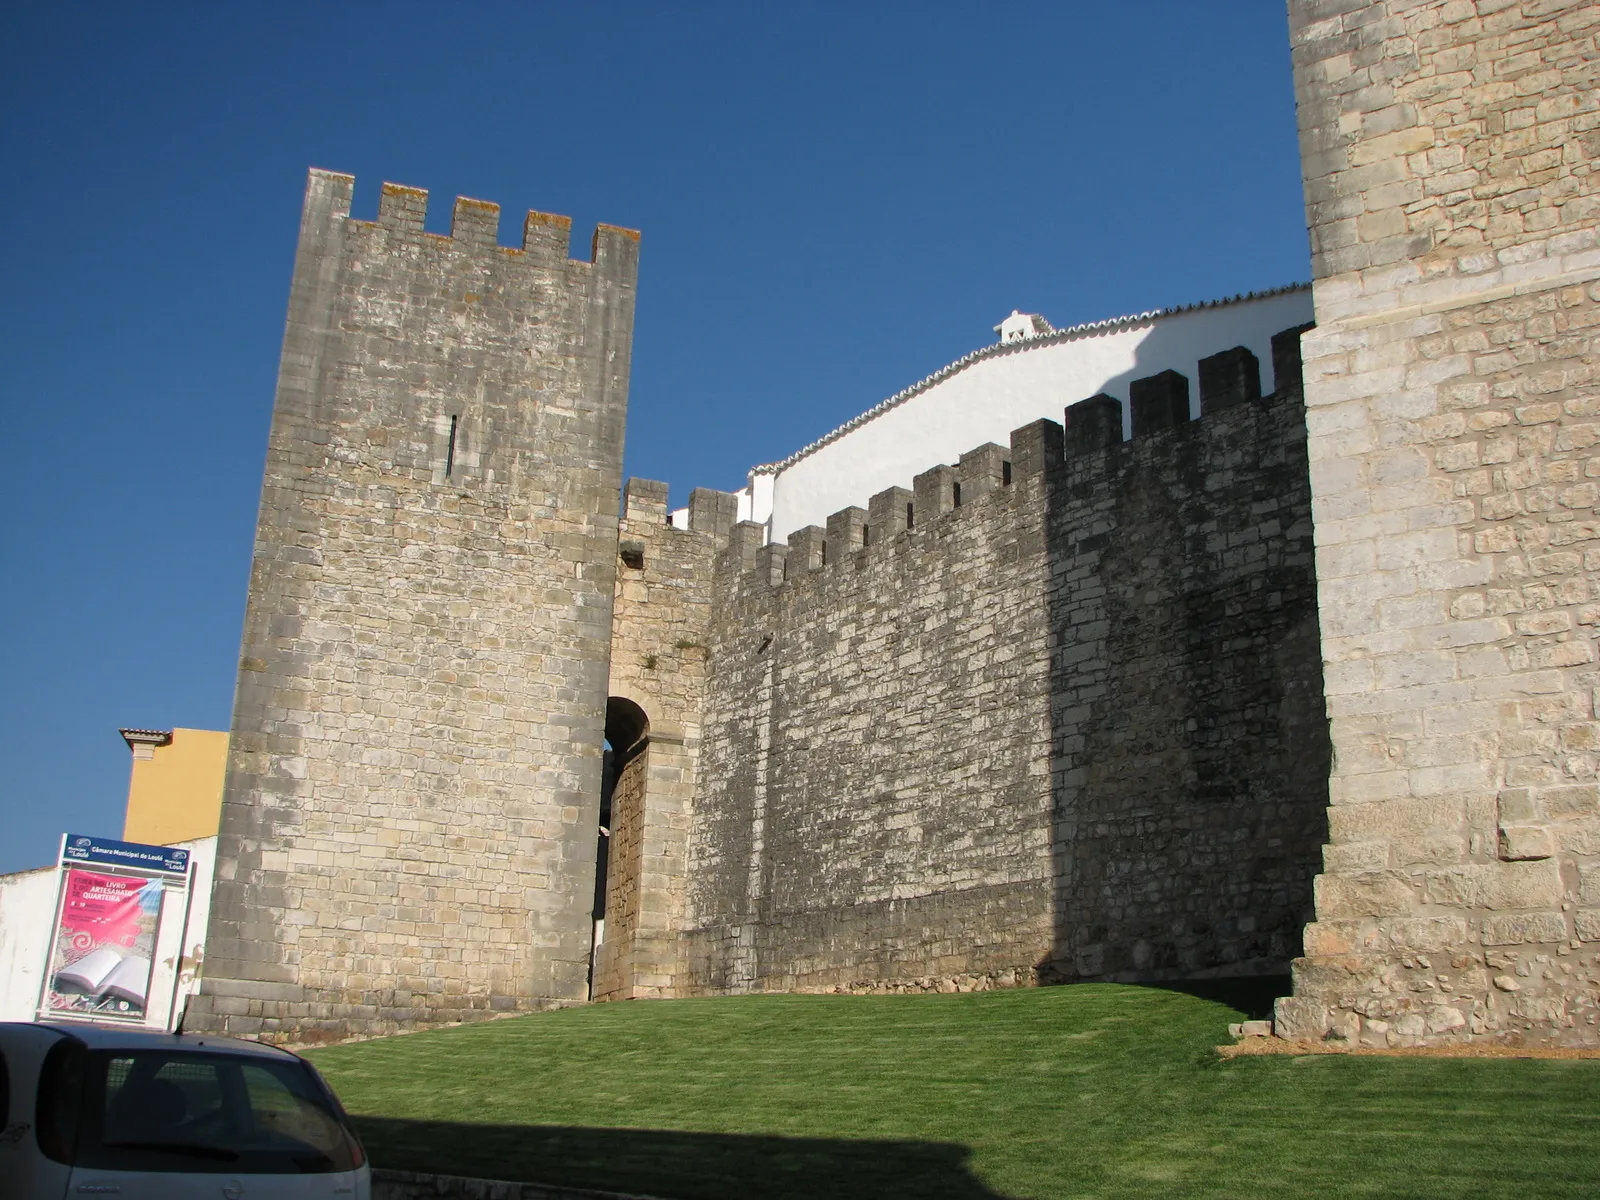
[(408, 827)]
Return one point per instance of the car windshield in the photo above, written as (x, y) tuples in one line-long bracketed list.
[(159, 1110)]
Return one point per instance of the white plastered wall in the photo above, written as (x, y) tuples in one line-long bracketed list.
[(984, 400)]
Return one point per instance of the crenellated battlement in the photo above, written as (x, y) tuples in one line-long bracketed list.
[(1042, 453), (474, 224), (712, 513), (1050, 709)]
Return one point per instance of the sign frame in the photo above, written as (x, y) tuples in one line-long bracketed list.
[(171, 868)]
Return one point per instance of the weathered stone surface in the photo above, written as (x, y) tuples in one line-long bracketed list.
[(1451, 402), (1524, 927), (1366, 894), (408, 826), (660, 639), (1056, 712), (1525, 842), (1496, 886), (1003, 743)]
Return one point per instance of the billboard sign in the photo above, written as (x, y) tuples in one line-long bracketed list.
[(108, 919)]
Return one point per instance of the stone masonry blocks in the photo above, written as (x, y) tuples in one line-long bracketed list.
[(712, 512), (807, 548), (1000, 746), (1036, 448), (407, 827), (660, 661), (645, 501), (889, 513), (1158, 402), (1092, 424), (1450, 393), (982, 470), (933, 493), (1229, 378), (847, 533)]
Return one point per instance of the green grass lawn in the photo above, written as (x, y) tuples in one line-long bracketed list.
[(1091, 1090)]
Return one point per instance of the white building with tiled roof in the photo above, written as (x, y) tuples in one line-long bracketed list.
[(1033, 371)]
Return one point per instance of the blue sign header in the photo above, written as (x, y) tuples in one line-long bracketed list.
[(161, 860)]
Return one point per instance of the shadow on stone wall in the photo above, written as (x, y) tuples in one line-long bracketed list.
[(684, 1166), (1190, 747)]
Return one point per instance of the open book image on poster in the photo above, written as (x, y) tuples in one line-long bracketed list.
[(102, 958), (105, 974)]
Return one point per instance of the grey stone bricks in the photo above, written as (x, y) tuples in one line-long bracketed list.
[(1091, 425), (847, 533), (1158, 402), (890, 512), (408, 824), (933, 493), (659, 662), (772, 563), (713, 513), (982, 470), (1000, 746), (1286, 366), (1450, 394), (807, 548), (1036, 448), (1229, 378), (645, 501), (744, 543)]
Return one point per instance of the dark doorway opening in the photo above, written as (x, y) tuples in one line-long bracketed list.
[(626, 738)]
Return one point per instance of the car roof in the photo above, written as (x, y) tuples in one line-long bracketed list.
[(114, 1037)]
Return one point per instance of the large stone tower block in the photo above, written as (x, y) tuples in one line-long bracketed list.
[(1453, 412), (408, 831)]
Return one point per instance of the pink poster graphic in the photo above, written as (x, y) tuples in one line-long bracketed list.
[(104, 945)]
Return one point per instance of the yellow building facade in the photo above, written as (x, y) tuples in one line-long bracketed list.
[(175, 791)]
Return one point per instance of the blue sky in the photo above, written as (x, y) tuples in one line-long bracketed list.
[(836, 200)]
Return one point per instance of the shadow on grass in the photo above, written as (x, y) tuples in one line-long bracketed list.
[(666, 1163), (1250, 994)]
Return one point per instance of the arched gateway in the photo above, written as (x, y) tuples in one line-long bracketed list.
[(619, 854)]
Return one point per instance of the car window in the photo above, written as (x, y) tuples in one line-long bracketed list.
[(159, 1110)]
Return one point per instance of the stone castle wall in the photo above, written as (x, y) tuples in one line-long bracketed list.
[(1449, 151), (660, 634), (1054, 713), (1069, 727), (413, 787)]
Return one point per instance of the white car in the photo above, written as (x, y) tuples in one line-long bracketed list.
[(92, 1110)]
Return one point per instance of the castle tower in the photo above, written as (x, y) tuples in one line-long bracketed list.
[(1449, 153), (408, 829)]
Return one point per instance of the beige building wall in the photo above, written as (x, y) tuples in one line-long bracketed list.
[(1449, 152), (175, 792)]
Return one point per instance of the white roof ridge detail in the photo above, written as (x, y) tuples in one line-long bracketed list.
[(1071, 333)]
